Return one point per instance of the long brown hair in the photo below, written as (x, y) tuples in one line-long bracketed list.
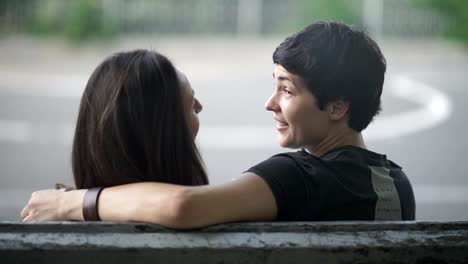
[(132, 126)]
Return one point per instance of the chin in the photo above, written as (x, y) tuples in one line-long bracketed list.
[(285, 144), (288, 144), (282, 142)]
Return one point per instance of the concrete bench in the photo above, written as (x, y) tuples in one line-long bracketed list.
[(281, 242)]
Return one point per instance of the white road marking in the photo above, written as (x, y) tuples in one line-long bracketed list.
[(435, 107), (43, 84), (237, 137)]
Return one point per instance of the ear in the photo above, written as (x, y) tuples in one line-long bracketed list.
[(338, 109)]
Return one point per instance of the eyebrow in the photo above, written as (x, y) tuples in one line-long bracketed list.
[(283, 78)]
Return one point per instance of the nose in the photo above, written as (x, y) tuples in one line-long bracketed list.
[(198, 107), (271, 104)]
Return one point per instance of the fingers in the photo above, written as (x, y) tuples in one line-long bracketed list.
[(28, 218), (24, 212), (26, 209), (42, 206)]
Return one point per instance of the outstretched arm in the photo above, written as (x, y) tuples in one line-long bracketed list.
[(245, 199)]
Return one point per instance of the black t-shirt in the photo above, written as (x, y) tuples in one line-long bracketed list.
[(347, 183)]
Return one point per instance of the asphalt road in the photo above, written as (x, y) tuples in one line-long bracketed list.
[(422, 126)]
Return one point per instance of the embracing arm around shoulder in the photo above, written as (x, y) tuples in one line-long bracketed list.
[(245, 199), (248, 198)]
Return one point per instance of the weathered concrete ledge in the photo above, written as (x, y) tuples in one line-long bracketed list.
[(296, 242)]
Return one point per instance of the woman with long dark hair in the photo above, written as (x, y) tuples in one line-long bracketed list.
[(137, 123)]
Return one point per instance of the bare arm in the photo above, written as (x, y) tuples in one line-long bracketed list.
[(246, 199)]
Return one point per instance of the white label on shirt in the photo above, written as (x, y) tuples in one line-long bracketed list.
[(388, 205)]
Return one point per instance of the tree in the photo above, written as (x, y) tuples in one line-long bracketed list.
[(456, 11)]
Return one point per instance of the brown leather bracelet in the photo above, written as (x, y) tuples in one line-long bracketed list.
[(90, 204)]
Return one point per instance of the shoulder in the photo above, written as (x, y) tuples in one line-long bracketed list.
[(286, 163), (291, 178), (290, 171)]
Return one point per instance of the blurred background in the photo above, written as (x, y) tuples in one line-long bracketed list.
[(48, 49)]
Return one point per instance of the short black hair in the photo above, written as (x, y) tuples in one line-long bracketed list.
[(337, 61)]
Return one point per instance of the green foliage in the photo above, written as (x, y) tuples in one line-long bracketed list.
[(457, 13), (46, 19), (338, 10), (76, 20), (84, 21)]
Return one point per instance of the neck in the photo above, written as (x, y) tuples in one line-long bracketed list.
[(342, 136)]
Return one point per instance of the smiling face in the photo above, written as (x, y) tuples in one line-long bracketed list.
[(191, 104), (300, 122)]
